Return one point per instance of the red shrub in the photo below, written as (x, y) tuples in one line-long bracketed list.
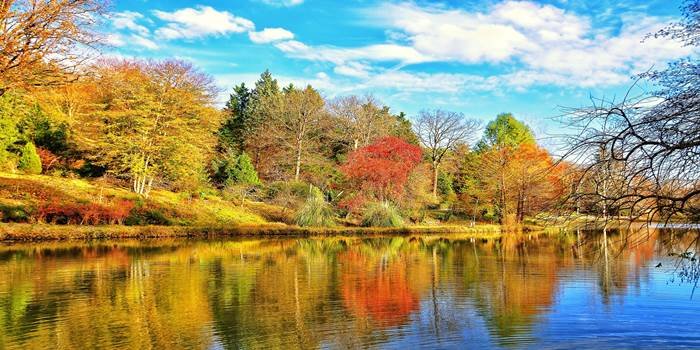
[(118, 211), (48, 159), (56, 212), (91, 214)]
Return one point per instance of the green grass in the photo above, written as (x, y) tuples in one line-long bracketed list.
[(382, 214)]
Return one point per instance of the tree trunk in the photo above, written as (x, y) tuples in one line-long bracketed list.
[(520, 215), (502, 199), (297, 169), (435, 179)]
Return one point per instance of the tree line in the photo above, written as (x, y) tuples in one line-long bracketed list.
[(156, 124)]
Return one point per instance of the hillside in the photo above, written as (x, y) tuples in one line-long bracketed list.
[(38, 198)]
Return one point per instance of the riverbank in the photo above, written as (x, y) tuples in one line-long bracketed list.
[(45, 232)]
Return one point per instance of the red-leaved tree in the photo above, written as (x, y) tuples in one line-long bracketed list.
[(382, 168)]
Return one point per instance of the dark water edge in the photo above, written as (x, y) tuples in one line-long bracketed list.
[(47, 232), (568, 290)]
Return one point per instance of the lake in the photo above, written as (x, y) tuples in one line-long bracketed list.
[(569, 290)]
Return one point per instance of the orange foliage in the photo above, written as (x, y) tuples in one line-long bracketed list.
[(48, 159), (57, 212)]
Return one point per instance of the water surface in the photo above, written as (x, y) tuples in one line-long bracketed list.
[(522, 291)]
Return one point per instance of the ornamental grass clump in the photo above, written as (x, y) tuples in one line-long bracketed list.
[(315, 212), (382, 214)]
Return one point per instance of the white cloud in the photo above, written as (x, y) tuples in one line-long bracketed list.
[(550, 44), (353, 69), (190, 23), (127, 20), (114, 39), (532, 44), (143, 42), (283, 3), (269, 35), (337, 55)]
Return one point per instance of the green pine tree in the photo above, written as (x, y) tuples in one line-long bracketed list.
[(244, 172), (234, 130), (29, 162)]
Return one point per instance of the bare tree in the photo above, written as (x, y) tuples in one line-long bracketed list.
[(362, 119), (439, 132), (41, 41), (300, 119), (650, 143)]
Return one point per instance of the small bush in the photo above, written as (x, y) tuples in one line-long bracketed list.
[(15, 213), (29, 162), (140, 217), (382, 214), (315, 211), (288, 194), (235, 169)]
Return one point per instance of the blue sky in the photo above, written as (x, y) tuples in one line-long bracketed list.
[(475, 57)]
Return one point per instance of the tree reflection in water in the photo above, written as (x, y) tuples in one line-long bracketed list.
[(307, 293)]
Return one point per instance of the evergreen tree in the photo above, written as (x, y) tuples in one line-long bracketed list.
[(233, 169), (403, 129), (244, 172), (29, 162), (12, 108), (236, 127)]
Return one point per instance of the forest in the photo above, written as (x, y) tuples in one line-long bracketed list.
[(144, 126)]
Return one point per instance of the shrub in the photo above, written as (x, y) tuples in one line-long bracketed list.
[(142, 216), (15, 213), (315, 211), (48, 159), (235, 169), (57, 212), (29, 162), (382, 214), (288, 194), (118, 211)]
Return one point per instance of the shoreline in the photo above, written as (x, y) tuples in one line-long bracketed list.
[(12, 232)]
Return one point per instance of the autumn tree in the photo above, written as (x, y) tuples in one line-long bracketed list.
[(157, 122), (42, 41), (497, 149), (536, 180), (441, 131), (383, 167)]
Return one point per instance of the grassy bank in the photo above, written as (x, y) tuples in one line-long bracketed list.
[(44, 232)]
